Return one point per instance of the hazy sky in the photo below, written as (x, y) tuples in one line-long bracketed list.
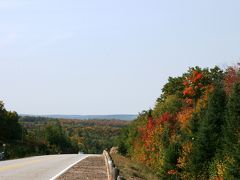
[(107, 57)]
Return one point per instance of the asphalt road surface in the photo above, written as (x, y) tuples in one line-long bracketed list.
[(38, 167)]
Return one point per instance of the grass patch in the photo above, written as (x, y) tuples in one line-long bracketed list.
[(130, 169)]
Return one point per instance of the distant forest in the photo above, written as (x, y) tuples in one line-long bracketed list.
[(193, 132), (127, 117), (27, 136)]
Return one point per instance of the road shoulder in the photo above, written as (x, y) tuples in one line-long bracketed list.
[(93, 167)]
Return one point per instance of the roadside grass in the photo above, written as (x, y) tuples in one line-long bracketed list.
[(131, 170)]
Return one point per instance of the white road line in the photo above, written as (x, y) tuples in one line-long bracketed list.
[(63, 171)]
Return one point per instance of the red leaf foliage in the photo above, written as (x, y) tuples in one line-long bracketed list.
[(231, 77), (193, 85)]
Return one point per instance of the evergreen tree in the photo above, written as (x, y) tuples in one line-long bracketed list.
[(232, 133), (10, 129), (208, 138)]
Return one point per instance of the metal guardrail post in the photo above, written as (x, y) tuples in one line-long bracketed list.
[(112, 171), (105, 154)]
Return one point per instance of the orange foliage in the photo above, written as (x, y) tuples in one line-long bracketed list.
[(151, 151), (186, 150), (189, 101), (172, 172), (189, 91), (184, 116), (147, 133), (150, 147), (202, 102), (193, 85), (167, 117)]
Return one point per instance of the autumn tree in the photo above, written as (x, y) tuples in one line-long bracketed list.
[(232, 76), (183, 136), (174, 86), (194, 84), (171, 104)]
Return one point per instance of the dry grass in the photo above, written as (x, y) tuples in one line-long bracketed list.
[(132, 170)]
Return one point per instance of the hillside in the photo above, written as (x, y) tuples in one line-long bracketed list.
[(193, 132)]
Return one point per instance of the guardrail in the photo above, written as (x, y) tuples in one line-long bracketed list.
[(112, 171)]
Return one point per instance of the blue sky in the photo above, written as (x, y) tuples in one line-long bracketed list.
[(107, 57)]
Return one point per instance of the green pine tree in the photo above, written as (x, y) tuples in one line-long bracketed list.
[(208, 138), (232, 133)]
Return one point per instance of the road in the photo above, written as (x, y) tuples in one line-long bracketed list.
[(37, 167)]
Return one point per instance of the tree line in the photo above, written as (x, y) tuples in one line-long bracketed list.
[(20, 141), (193, 131)]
